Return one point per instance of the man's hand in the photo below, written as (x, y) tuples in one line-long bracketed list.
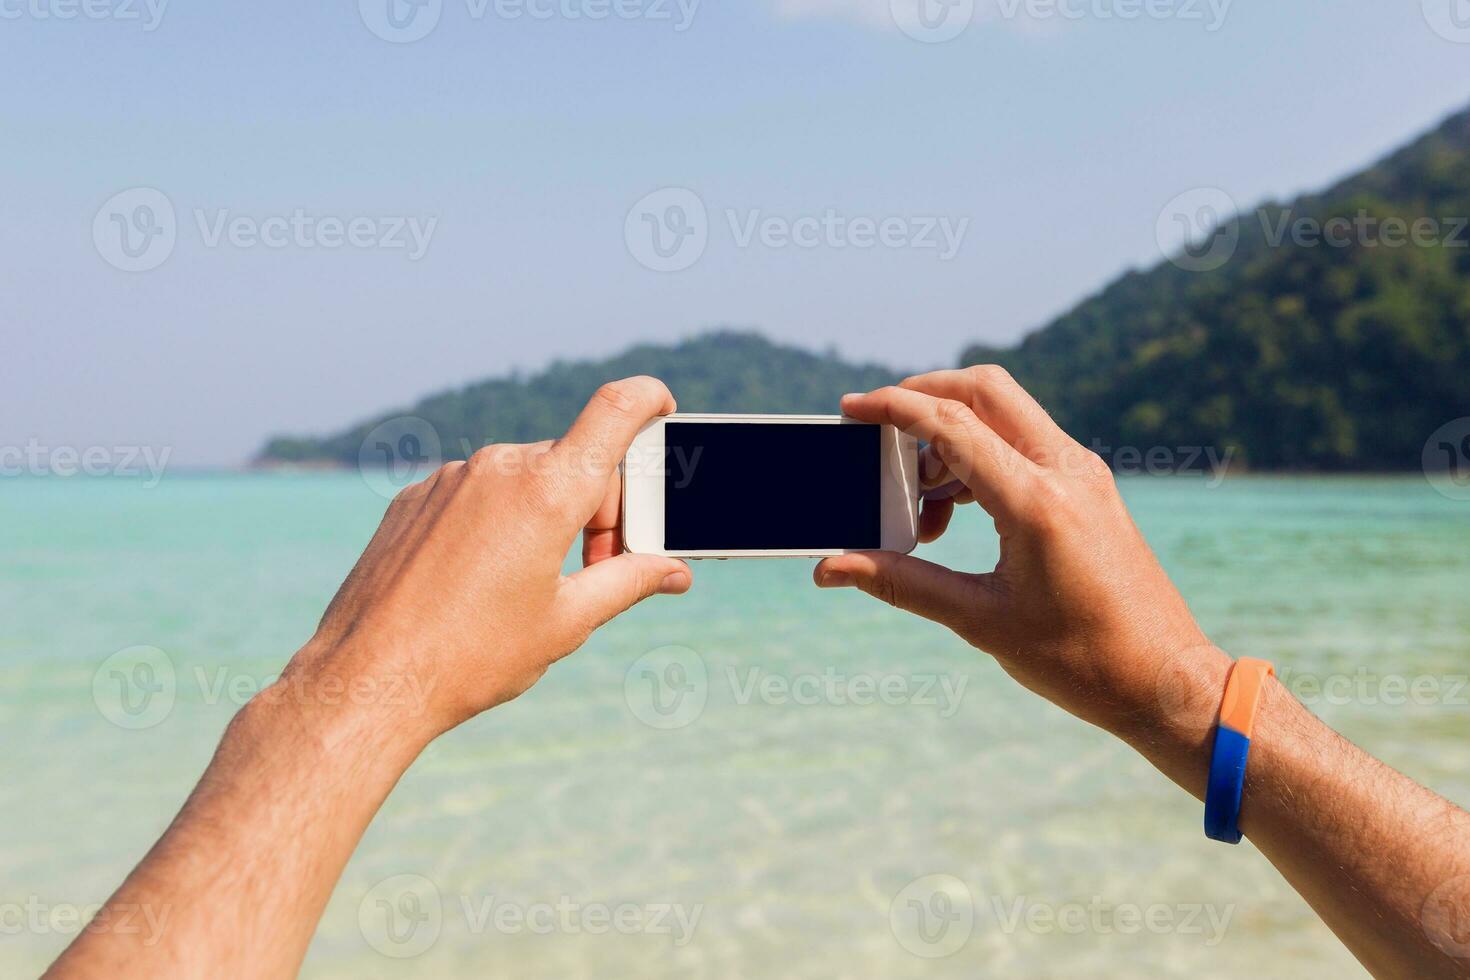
[(461, 588), (1079, 611), (459, 594)]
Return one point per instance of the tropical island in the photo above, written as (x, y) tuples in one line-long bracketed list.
[(1333, 335)]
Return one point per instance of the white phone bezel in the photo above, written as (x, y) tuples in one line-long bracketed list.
[(643, 488)]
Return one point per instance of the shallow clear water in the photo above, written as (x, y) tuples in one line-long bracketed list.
[(795, 831)]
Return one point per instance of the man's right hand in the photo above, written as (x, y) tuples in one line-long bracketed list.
[(1078, 608)]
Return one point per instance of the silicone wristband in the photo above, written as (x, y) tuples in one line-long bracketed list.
[(1232, 747)]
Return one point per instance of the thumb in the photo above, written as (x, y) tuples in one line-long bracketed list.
[(955, 599), (601, 591)]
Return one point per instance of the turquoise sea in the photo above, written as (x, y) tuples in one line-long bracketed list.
[(844, 791)]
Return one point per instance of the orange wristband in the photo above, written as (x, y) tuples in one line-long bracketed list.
[(1232, 747), (1243, 694)]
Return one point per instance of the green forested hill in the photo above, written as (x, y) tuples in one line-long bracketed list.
[(1297, 352), (717, 372), (1301, 351)]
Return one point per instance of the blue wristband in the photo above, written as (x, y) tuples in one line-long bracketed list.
[(1232, 748), (1227, 785)]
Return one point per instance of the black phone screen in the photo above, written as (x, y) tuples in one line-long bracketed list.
[(788, 486)]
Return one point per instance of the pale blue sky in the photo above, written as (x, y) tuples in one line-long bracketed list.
[(1059, 139)]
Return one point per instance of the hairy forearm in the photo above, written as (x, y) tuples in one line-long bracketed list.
[(1365, 845), (245, 870), (456, 606)]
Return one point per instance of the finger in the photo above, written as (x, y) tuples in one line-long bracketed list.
[(936, 482), (601, 591), (934, 519), (932, 471), (1000, 477), (954, 491), (444, 482), (999, 402), (956, 599), (602, 538), (599, 438)]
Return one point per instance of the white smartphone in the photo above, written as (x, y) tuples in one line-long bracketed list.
[(769, 486)]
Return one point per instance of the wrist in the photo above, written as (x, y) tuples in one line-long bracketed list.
[(1173, 723), (331, 715)]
